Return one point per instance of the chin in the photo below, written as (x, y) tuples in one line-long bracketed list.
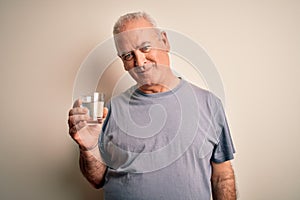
[(141, 81), (145, 83)]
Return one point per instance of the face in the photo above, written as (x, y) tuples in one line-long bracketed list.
[(144, 52)]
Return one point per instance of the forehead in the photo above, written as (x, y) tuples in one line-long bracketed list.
[(132, 39)]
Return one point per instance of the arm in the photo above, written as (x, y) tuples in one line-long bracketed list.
[(223, 181), (92, 167), (86, 136)]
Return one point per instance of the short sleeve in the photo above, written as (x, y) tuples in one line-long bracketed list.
[(224, 149)]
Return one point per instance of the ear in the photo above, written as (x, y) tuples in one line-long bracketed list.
[(165, 41)]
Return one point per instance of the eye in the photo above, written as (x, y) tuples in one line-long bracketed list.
[(127, 56), (146, 48)]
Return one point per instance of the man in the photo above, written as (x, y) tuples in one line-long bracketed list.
[(163, 138)]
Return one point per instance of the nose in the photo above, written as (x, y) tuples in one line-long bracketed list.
[(139, 59)]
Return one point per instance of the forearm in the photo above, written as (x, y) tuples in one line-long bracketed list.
[(92, 166), (223, 186)]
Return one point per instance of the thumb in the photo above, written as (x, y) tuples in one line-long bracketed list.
[(105, 111)]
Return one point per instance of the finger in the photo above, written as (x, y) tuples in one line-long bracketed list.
[(78, 111), (105, 111), (77, 103), (76, 128), (75, 119)]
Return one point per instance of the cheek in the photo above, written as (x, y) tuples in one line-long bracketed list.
[(152, 57), (128, 65), (157, 57), (162, 59)]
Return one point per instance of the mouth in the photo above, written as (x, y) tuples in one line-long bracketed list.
[(143, 69)]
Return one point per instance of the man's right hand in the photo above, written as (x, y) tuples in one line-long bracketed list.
[(86, 136)]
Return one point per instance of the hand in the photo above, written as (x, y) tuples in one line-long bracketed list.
[(86, 136)]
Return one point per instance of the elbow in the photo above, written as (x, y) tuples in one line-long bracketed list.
[(97, 184)]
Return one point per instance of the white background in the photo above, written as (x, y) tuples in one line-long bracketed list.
[(254, 44)]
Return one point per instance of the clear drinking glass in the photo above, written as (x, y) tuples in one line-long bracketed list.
[(94, 103)]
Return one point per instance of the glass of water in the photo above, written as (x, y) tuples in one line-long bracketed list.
[(94, 103)]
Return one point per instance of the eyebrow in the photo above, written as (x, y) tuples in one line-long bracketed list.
[(137, 47), (143, 44)]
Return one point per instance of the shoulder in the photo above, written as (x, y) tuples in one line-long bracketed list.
[(204, 95)]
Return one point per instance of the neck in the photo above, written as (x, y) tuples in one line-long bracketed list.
[(168, 84)]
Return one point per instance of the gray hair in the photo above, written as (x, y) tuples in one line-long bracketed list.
[(120, 24)]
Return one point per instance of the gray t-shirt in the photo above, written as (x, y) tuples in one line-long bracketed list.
[(160, 146)]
